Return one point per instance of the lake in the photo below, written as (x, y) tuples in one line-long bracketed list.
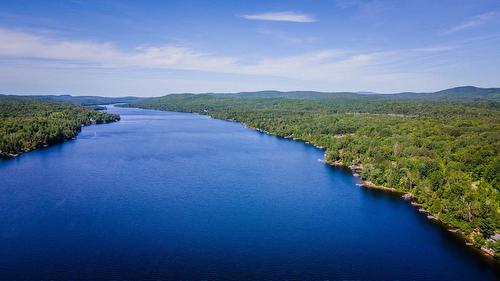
[(165, 195)]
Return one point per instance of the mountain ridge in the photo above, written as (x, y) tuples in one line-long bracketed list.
[(455, 94)]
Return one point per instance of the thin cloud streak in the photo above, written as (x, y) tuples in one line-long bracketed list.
[(281, 16), (471, 22)]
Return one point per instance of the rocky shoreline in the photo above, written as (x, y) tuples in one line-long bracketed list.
[(356, 172)]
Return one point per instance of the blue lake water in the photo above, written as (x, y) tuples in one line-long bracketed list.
[(163, 195)]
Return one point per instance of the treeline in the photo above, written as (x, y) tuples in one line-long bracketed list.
[(27, 124), (445, 154), (338, 104), (78, 100)]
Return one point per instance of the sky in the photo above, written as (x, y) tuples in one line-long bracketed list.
[(153, 48)]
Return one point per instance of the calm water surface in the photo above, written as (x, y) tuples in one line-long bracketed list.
[(182, 196)]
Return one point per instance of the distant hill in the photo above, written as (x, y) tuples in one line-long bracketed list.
[(463, 94), (469, 90), (458, 94), (80, 100)]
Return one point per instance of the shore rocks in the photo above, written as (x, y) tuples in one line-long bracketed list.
[(488, 251)]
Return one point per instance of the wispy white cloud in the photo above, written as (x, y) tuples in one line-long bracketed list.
[(23, 45), (281, 16), (472, 22), (333, 67)]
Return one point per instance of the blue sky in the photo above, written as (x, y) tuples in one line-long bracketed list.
[(151, 48)]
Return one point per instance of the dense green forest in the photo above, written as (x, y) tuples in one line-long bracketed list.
[(27, 124), (443, 151)]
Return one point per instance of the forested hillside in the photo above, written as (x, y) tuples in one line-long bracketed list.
[(79, 100), (27, 124), (445, 154), (464, 94)]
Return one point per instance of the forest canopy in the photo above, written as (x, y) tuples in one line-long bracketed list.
[(27, 124)]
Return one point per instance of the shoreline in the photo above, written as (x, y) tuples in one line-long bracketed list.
[(407, 196), (7, 156)]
